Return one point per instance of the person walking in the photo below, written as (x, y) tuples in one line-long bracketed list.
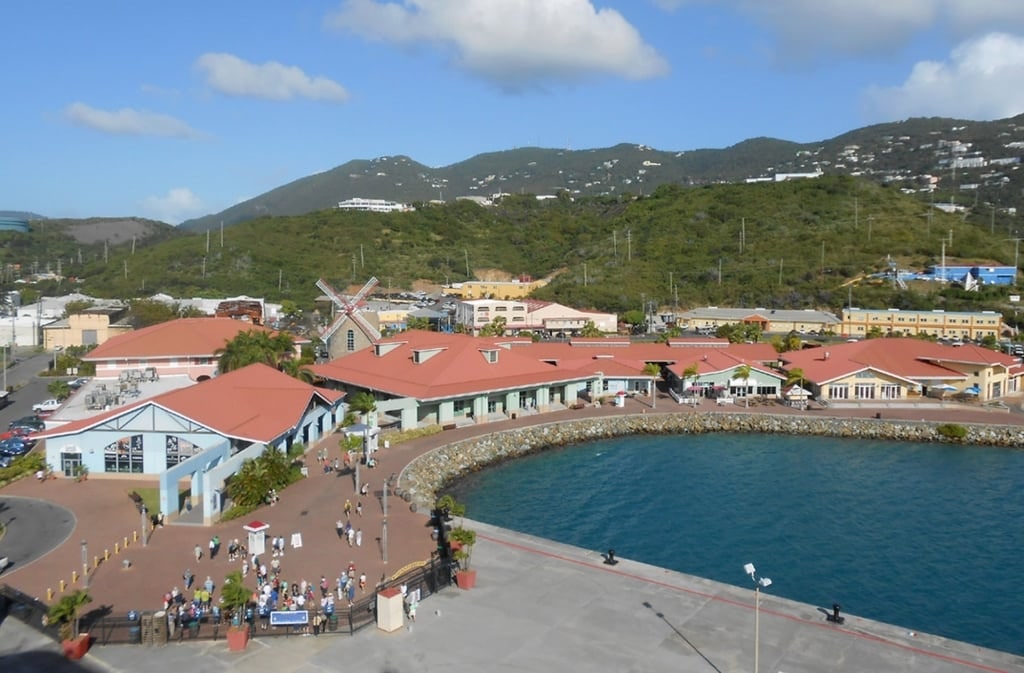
[(359, 508), (351, 535), (188, 577), (413, 604), (359, 537), (198, 552), (348, 507), (339, 527)]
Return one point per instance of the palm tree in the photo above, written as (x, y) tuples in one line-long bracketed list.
[(59, 389), (364, 403), (590, 330), (254, 346), (743, 372), (690, 372), (66, 612), (653, 370), (235, 596)]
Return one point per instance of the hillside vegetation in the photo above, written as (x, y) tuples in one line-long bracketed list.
[(797, 244)]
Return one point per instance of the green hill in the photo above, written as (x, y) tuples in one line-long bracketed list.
[(801, 243), (900, 154)]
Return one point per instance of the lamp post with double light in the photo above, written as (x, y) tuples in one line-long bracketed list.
[(759, 583)]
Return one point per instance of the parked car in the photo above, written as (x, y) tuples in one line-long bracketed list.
[(52, 404), (15, 446), (30, 423), (78, 383), (5, 461), (19, 433)]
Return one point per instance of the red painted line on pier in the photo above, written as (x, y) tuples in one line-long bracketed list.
[(729, 601)]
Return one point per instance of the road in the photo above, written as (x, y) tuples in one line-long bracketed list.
[(33, 527), (29, 387)]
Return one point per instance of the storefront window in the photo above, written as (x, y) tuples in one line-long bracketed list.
[(124, 455)]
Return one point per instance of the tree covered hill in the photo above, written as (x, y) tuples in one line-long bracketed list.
[(805, 243), (976, 164)]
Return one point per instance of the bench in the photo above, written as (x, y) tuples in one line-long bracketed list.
[(724, 400)]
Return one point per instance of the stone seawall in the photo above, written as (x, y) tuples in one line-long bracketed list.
[(425, 476)]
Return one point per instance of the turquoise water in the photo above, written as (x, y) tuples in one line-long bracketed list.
[(926, 536)]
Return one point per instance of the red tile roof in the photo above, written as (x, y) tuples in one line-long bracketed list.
[(459, 368), (256, 403), (185, 337), (910, 359)]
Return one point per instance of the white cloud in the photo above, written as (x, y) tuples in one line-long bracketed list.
[(174, 207), (980, 80), (127, 121), (808, 28), (233, 76), (513, 42)]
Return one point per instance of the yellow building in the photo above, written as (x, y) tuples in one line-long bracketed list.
[(92, 326), (965, 325), (494, 289)]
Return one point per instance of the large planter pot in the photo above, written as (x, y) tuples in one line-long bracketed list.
[(238, 638), (76, 647), (466, 579)]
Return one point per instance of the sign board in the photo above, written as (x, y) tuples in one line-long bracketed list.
[(289, 617), (1015, 298)]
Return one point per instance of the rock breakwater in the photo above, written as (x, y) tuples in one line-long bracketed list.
[(422, 478)]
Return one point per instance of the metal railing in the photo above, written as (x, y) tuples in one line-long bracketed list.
[(156, 628)]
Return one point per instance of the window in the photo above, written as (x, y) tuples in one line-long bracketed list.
[(865, 391), (179, 450), (889, 391), (124, 455), (839, 391), (350, 340), (459, 408)]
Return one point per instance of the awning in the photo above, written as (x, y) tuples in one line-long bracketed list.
[(971, 391)]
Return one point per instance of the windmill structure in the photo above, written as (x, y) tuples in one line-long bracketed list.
[(348, 331)]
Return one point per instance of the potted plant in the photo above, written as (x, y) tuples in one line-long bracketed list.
[(235, 599), (65, 613), (465, 539)]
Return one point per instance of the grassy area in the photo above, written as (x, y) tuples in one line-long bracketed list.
[(407, 435), (151, 498)]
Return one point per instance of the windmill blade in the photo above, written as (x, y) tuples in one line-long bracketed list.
[(369, 330), (336, 297), (364, 292), (334, 326)]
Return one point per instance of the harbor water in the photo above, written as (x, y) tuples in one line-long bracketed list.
[(925, 536)]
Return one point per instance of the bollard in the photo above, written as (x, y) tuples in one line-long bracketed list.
[(135, 536), (125, 541), (116, 548), (62, 586), (74, 576), (106, 554), (49, 594), (95, 561)]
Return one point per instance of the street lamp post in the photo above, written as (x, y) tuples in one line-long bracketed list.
[(759, 583), (143, 511)]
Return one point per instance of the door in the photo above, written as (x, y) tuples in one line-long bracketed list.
[(69, 463)]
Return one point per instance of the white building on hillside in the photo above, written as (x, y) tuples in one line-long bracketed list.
[(374, 205), (532, 315)]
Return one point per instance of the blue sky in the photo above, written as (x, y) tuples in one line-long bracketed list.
[(178, 109)]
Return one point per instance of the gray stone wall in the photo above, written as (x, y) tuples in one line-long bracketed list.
[(425, 476)]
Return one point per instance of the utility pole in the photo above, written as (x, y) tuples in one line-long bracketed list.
[(106, 252), (207, 241), (222, 233), (743, 233), (362, 260), (780, 272), (466, 251), (629, 245), (615, 245), (719, 270), (584, 274), (126, 269), (280, 278), (823, 258), (204, 268), (133, 246)]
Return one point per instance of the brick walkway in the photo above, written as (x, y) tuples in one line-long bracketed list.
[(106, 516)]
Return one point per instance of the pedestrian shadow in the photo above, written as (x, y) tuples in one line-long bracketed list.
[(661, 616)]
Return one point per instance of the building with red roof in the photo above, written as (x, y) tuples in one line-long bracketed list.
[(422, 378), (200, 432), (187, 346), (904, 368)]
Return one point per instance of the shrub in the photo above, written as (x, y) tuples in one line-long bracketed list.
[(951, 431)]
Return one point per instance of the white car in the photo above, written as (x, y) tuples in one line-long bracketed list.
[(45, 406)]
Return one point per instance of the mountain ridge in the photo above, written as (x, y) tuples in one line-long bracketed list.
[(900, 151)]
